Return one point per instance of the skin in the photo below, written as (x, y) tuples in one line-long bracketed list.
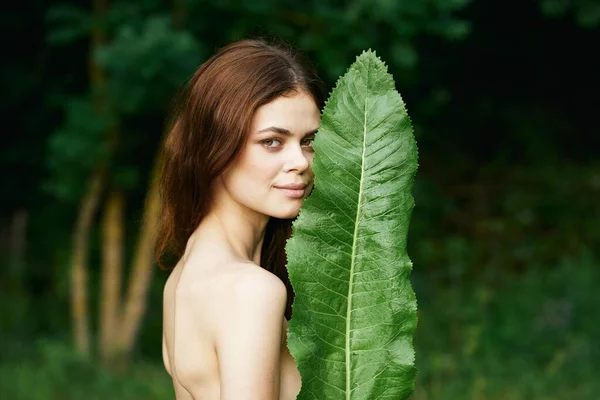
[(224, 328)]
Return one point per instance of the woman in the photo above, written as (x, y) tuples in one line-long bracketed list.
[(237, 169)]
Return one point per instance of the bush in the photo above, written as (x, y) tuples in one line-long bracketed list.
[(50, 370), (533, 338)]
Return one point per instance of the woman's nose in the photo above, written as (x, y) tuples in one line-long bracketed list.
[(296, 159)]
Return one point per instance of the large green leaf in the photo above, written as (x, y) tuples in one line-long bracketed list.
[(355, 311)]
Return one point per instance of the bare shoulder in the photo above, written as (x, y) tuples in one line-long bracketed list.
[(249, 338), (256, 289), (235, 288), (256, 281)]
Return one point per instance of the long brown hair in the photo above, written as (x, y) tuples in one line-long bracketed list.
[(209, 131)]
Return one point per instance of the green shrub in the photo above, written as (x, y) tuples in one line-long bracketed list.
[(534, 338), (50, 370)]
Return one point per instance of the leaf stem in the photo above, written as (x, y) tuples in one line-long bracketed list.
[(351, 282)]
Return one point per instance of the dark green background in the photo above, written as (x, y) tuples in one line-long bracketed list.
[(505, 236)]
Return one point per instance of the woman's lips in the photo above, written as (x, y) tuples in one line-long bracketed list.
[(293, 193)]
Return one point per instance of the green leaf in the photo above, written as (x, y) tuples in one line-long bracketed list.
[(355, 311)]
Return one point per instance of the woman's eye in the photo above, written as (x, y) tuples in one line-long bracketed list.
[(309, 140), (269, 143)]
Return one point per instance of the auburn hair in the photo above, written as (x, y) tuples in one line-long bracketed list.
[(209, 130)]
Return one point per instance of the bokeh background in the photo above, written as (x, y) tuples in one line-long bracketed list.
[(505, 236)]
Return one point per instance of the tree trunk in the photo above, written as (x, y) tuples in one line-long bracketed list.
[(79, 268), (112, 270), (14, 248), (143, 265), (88, 207), (143, 261)]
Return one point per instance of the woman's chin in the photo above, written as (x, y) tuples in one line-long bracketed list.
[(287, 214)]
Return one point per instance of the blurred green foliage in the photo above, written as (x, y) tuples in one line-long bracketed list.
[(528, 337), (50, 370), (586, 12), (504, 238), (147, 63)]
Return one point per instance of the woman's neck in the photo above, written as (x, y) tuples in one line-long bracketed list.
[(242, 230)]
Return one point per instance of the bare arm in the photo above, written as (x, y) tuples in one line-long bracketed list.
[(249, 340)]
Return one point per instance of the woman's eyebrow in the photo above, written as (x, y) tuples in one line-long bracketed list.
[(284, 131)]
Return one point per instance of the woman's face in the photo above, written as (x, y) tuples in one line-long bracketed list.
[(273, 174)]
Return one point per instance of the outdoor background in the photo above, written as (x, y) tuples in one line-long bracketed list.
[(505, 236)]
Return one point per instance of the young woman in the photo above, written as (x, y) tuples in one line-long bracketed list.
[(237, 170)]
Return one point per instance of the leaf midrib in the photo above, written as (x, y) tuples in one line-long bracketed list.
[(353, 257)]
